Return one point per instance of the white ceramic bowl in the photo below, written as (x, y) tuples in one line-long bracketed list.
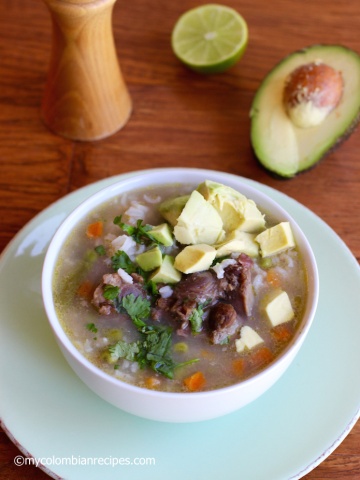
[(165, 406)]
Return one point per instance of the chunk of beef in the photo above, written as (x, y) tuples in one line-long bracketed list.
[(193, 290), (246, 289), (222, 322), (179, 310), (105, 306), (205, 288), (137, 278), (236, 286), (200, 287)]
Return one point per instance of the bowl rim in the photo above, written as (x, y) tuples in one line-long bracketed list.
[(104, 195)]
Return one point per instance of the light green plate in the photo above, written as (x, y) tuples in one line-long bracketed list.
[(284, 434)]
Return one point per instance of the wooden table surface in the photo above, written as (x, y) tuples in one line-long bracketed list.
[(179, 119)]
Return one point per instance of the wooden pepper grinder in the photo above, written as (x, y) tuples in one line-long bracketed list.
[(85, 96)]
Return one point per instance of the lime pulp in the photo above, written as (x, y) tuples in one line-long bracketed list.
[(210, 38)]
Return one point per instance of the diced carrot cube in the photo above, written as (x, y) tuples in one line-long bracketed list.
[(281, 333), (260, 357), (238, 366), (151, 382), (273, 278), (195, 382), (94, 230), (206, 354), (85, 290)]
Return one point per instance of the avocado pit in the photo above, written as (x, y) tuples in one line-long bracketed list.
[(311, 92)]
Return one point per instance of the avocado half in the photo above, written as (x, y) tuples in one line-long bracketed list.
[(285, 149)]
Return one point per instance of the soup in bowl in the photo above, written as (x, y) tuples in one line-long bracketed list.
[(180, 294)]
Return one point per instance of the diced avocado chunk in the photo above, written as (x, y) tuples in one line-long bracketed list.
[(275, 239), (249, 339), (162, 234), (195, 258), (210, 190), (238, 241), (235, 210), (199, 222), (253, 220), (150, 259), (279, 309), (166, 273), (171, 208)]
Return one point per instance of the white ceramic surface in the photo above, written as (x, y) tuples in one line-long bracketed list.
[(284, 434), (166, 406)]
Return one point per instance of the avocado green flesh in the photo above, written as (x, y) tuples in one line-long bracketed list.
[(279, 145)]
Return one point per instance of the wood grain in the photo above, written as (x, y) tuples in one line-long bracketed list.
[(179, 118), (85, 96)]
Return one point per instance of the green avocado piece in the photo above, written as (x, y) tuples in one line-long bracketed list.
[(171, 208), (162, 234), (236, 242), (166, 273), (285, 149), (195, 258), (150, 259), (235, 210), (275, 239), (199, 222)]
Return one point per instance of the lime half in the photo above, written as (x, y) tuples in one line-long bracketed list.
[(210, 38)]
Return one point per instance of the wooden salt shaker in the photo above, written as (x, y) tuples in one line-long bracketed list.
[(85, 97)]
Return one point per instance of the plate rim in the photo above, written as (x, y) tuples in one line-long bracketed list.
[(84, 192)]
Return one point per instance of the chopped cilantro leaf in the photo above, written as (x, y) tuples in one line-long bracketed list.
[(140, 232), (156, 340), (129, 229), (100, 250), (152, 287), (196, 319), (137, 308), (123, 349), (219, 260), (91, 327), (122, 260), (111, 292)]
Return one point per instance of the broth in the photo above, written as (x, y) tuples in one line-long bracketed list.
[(196, 359)]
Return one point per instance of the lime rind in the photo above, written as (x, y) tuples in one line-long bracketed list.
[(210, 38)]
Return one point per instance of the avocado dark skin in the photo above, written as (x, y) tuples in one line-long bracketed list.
[(281, 146)]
